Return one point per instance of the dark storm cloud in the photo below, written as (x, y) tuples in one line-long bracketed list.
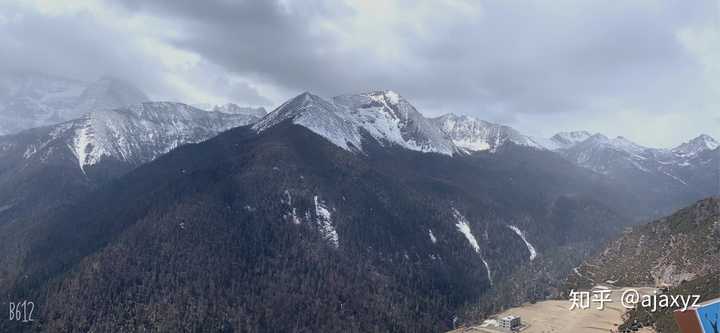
[(512, 57)]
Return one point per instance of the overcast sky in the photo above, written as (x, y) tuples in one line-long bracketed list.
[(648, 70)]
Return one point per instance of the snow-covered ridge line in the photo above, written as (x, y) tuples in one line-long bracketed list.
[(348, 120), (530, 247), (389, 119), (472, 134), (134, 134)]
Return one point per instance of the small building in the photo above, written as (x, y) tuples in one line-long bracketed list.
[(509, 323), (699, 318)]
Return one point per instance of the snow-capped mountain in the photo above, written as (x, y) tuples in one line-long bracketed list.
[(603, 154), (383, 116), (43, 168), (668, 178), (600, 153), (390, 120), (472, 134), (133, 135), (33, 100), (697, 145)]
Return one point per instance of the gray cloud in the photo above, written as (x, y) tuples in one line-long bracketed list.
[(77, 46), (514, 55), (583, 64), (81, 45)]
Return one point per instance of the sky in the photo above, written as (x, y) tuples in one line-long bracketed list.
[(644, 69)]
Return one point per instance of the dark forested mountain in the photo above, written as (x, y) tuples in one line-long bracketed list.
[(42, 169), (30, 100), (276, 228)]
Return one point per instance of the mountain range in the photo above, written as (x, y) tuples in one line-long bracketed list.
[(351, 214), (686, 171), (663, 179), (46, 168)]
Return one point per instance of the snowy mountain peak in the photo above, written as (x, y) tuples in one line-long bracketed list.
[(390, 119), (386, 96), (383, 116), (567, 139), (620, 144), (472, 134), (599, 137), (697, 145), (134, 134)]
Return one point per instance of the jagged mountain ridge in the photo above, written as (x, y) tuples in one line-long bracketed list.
[(29, 100), (135, 134), (389, 118), (472, 135), (348, 120), (665, 179)]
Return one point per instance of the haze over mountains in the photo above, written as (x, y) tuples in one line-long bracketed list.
[(30, 100), (355, 213)]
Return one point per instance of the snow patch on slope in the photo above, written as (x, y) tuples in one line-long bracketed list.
[(530, 247), (464, 227), (487, 268), (324, 221)]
